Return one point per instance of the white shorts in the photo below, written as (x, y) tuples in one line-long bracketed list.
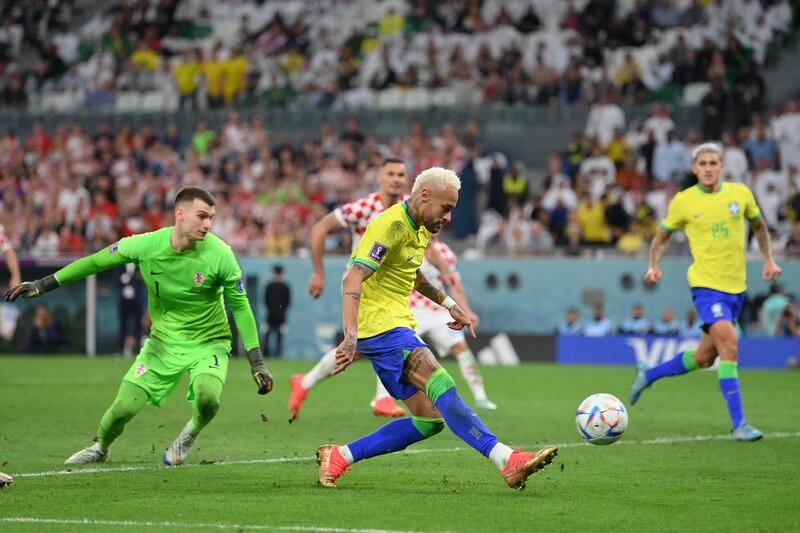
[(433, 326)]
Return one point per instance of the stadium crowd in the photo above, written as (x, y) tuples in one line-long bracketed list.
[(348, 53), (771, 314), (610, 187), (70, 191)]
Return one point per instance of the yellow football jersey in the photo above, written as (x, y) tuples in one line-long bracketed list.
[(393, 246), (715, 226)]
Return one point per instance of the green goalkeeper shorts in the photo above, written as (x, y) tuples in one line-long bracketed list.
[(158, 368)]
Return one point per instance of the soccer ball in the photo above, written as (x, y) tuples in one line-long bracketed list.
[(601, 419)]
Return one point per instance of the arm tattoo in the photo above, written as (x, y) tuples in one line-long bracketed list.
[(424, 287), (362, 268), (762, 236), (355, 295), (658, 245)]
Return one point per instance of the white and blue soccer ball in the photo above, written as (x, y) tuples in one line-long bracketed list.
[(601, 419)]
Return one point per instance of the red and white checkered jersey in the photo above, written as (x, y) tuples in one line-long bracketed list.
[(359, 213), (431, 273), (5, 243)]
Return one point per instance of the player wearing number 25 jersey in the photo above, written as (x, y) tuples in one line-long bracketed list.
[(713, 214)]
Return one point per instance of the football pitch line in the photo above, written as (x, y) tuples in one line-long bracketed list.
[(623, 442), (189, 525)]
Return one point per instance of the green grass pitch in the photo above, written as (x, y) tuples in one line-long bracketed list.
[(674, 470)]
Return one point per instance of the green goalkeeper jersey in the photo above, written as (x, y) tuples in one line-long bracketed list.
[(185, 289)]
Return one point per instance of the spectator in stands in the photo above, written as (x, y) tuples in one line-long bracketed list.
[(599, 325), (748, 93), (636, 324), (691, 326), (772, 308), (541, 242), (45, 334), (715, 111), (658, 74), (203, 139), (734, 160), (629, 176), (670, 160), (792, 248), (633, 241), (577, 151), (659, 122), (628, 77), (591, 217), (186, 73), (771, 190), (618, 149), (604, 118), (517, 232), (665, 14), (571, 325), (761, 146), (786, 130), (597, 172), (668, 324), (617, 216), (789, 323), (515, 185)]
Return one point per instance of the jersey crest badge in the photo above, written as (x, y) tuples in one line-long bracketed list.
[(733, 207), (199, 278), (140, 369), (113, 248)]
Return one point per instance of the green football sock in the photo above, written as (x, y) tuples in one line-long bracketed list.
[(129, 401)]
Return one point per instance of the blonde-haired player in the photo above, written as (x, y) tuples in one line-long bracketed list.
[(379, 325), (354, 216)]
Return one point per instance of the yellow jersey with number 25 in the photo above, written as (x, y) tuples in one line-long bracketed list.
[(715, 226), (393, 246)]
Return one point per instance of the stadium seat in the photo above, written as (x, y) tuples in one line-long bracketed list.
[(153, 101), (443, 97), (694, 93), (127, 101), (61, 102), (390, 99), (418, 98)]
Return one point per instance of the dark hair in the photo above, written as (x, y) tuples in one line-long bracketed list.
[(390, 160), (188, 194), (277, 269)]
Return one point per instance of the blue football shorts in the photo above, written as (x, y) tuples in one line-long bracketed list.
[(388, 352), (713, 306)]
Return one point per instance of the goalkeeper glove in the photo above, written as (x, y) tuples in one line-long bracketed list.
[(260, 373), (31, 289)]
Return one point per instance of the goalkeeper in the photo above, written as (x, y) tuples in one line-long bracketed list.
[(186, 269)]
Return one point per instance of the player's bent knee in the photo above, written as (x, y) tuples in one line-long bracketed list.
[(428, 427), (207, 392), (438, 383)]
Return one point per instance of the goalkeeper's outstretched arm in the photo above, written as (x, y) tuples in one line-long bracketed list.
[(81, 268)]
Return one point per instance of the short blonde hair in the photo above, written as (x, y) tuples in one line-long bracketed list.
[(436, 176), (706, 147)]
